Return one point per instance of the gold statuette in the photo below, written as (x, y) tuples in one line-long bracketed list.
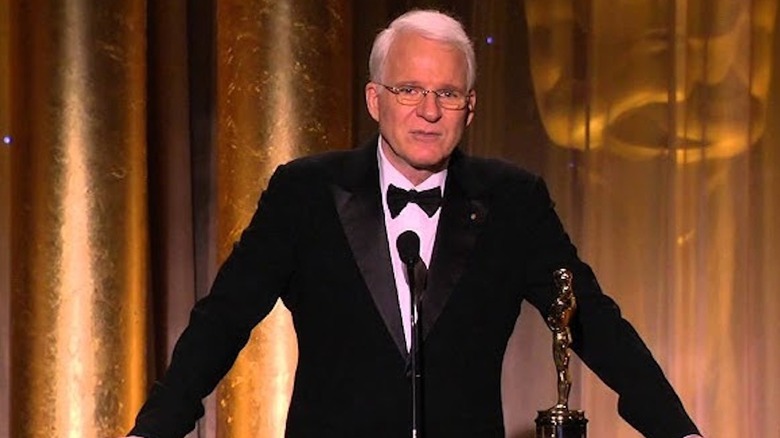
[(559, 421)]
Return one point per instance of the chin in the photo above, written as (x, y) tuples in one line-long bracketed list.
[(431, 165)]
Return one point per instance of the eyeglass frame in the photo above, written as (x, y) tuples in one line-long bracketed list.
[(396, 90)]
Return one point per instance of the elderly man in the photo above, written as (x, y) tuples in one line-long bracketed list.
[(323, 239)]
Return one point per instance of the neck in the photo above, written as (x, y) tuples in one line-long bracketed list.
[(415, 175)]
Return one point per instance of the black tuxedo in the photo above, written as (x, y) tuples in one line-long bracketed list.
[(318, 241)]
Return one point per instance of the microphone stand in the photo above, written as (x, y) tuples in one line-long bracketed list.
[(408, 244), (414, 349)]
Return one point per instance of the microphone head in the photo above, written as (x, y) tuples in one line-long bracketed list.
[(408, 245)]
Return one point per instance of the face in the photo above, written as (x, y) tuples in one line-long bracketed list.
[(419, 139)]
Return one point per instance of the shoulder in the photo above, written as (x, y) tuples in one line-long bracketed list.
[(326, 167), (482, 176), (325, 159)]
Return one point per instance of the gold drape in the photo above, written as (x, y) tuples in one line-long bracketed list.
[(79, 241), (673, 158), (170, 162), (283, 91)]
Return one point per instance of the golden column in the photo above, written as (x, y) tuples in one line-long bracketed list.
[(284, 90), (79, 237)]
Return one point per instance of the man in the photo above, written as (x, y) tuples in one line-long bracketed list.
[(324, 240)]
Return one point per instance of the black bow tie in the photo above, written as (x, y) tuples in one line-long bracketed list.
[(429, 200)]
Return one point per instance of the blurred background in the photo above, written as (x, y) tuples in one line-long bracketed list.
[(135, 138)]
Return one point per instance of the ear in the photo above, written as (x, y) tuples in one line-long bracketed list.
[(471, 107), (372, 100)]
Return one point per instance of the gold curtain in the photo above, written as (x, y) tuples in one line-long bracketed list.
[(659, 116), (171, 229), (78, 294), (170, 174), (281, 93)]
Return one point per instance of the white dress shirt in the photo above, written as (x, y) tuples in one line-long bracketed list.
[(412, 217)]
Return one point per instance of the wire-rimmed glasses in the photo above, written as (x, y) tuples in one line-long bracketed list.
[(413, 95)]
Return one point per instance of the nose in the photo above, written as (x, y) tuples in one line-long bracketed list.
[(429, 108)]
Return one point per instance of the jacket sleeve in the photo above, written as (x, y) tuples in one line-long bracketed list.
[(606, 342), (246, 288)]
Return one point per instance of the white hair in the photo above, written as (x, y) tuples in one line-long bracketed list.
[(430, 24)]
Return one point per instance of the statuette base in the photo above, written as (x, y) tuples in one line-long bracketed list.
[(560, 422)]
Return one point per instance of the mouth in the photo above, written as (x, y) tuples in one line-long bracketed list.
[(425, 136)]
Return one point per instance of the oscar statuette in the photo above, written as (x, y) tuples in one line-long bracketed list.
[(559, 421)]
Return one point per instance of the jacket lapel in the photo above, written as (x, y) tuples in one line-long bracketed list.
[(461, 219), (358, 202)]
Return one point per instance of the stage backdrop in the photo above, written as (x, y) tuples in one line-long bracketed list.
[(143, 132)]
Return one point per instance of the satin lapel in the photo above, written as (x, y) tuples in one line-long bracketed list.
[(360, 210), (459, 224)]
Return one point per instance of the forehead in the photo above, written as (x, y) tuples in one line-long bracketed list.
[(416, 59)]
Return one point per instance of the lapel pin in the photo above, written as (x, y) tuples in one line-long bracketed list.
[(477, 213)]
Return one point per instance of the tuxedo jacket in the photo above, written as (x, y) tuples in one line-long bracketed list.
[(318, 242)]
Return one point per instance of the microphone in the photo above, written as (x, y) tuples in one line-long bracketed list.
[(408, 244), (416, 273)]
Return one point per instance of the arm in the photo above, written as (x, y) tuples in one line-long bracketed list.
[(605, 341), (246, 288)]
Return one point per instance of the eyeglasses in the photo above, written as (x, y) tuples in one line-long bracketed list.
[(413, 95)]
